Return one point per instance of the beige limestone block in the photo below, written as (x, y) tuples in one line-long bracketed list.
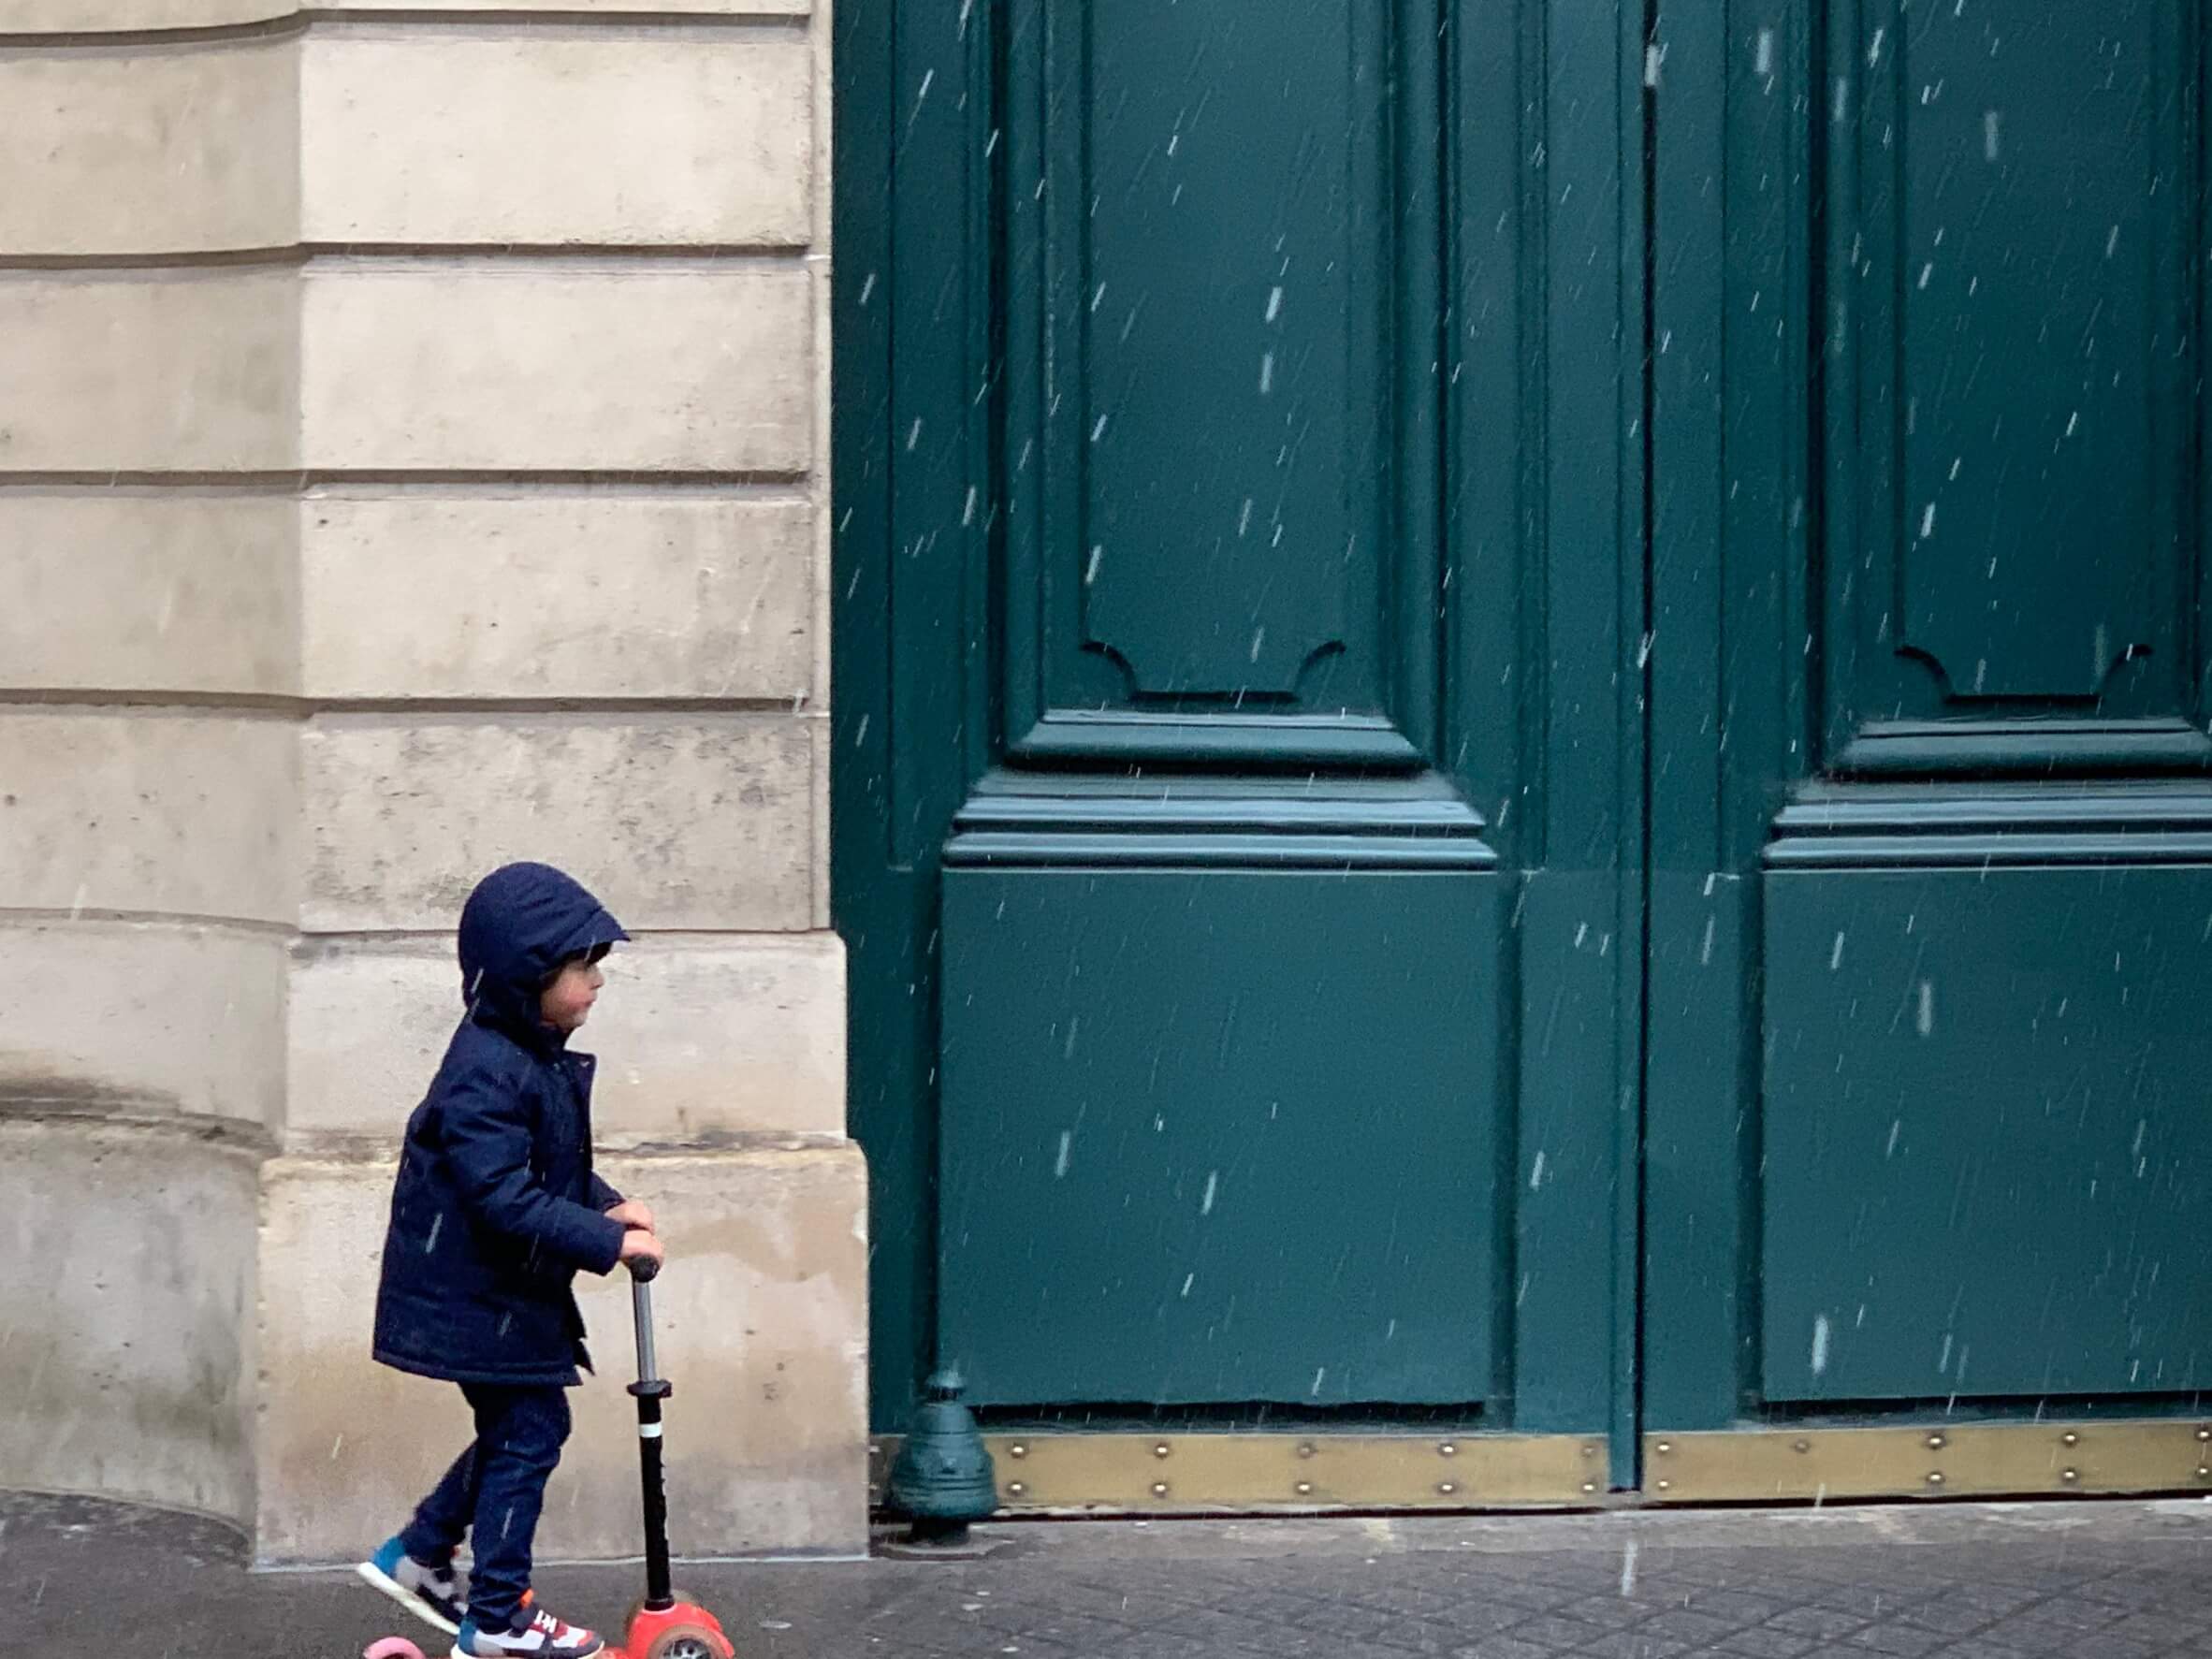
[(562, 594), (439, 138), (145, 810), (143, 1021), (819, 726), (127, 1323), (822, 484), (822, 39), (699, 1035), (692, 823), (700, 368), (150, 152), (137, 590), (762, 1322), (173, 370), (612, 9), (78, 17)]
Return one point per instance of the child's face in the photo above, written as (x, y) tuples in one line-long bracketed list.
[(567, 1002)]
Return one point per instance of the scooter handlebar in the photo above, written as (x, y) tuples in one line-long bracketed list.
[(644, 1269)]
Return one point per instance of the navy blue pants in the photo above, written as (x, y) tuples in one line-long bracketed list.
[(496, 1488)]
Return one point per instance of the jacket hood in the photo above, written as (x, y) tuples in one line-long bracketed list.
[(519, 925)]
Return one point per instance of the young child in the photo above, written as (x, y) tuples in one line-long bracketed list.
[(495, 1208)]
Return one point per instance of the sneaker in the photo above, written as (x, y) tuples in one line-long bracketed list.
[(542, 1634), (431, 1594)]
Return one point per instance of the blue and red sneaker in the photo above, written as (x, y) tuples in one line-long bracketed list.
[(431, 1594)]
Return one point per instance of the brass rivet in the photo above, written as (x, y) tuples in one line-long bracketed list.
[(1305, 1448), (1449, 1449), (1935, 1443), (1447, 1488), (1159, 1489), (1588, 1451), (1802, 1445), (1664, 1484), (2068, 1475), (2204, 1433), (1591, 1484), (1664, 1447), (1016, 1489), (2203, 1474), (1017, 1450), (1936, 1477), (1305, 1489), (1160, 1450), (2070, 1440)]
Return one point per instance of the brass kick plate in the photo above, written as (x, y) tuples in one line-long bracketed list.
[(1171, 1474), (1978, 1460), (1252, 1473)]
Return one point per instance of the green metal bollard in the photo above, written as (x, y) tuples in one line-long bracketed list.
[(943, 1480)]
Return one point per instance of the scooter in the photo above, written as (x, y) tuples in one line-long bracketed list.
[(665, 1624)]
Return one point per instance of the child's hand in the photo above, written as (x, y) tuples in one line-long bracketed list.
[(640, 1245), (629, 1213)]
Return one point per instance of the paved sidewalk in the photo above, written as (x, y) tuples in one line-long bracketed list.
[(2102, 1581)]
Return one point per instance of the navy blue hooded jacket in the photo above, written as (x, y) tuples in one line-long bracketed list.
[(496, 1206)]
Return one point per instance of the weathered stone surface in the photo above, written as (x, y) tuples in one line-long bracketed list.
[(32, 17), (433, 138), (144, 1020), (762, 1324), (150, 150), (701, 1036), (656, 369), (818, 725), (556, 595), (148, 591), (155, 1051), (89, 17), (127, 1362), (143, 811), (695, 822), (170, 370)]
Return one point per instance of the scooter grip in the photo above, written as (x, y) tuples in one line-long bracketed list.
[(644, 1269)]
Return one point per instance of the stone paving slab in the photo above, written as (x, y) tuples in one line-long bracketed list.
[(2098, 1581)]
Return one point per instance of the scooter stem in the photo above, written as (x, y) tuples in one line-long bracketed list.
[(649, 1391)]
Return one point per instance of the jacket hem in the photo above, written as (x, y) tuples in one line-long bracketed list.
[(543, 1376)]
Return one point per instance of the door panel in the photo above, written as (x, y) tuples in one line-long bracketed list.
[(1929, 900), (1222, 258), (1986, 1161), (1210, 272), (1238, 778), (1201, 1143), (2006, 461)]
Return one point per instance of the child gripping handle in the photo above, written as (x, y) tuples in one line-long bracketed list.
[(496, 1207)]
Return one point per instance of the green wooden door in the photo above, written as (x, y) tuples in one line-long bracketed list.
[(1522, 706), (1931, 919), (1236, 786)]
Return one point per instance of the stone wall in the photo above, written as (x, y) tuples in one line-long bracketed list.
[(413, 426)]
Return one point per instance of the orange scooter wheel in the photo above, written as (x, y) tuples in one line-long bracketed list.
[(688, 1641)]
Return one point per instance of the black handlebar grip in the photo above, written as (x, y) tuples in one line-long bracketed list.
[(644, 1269)]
